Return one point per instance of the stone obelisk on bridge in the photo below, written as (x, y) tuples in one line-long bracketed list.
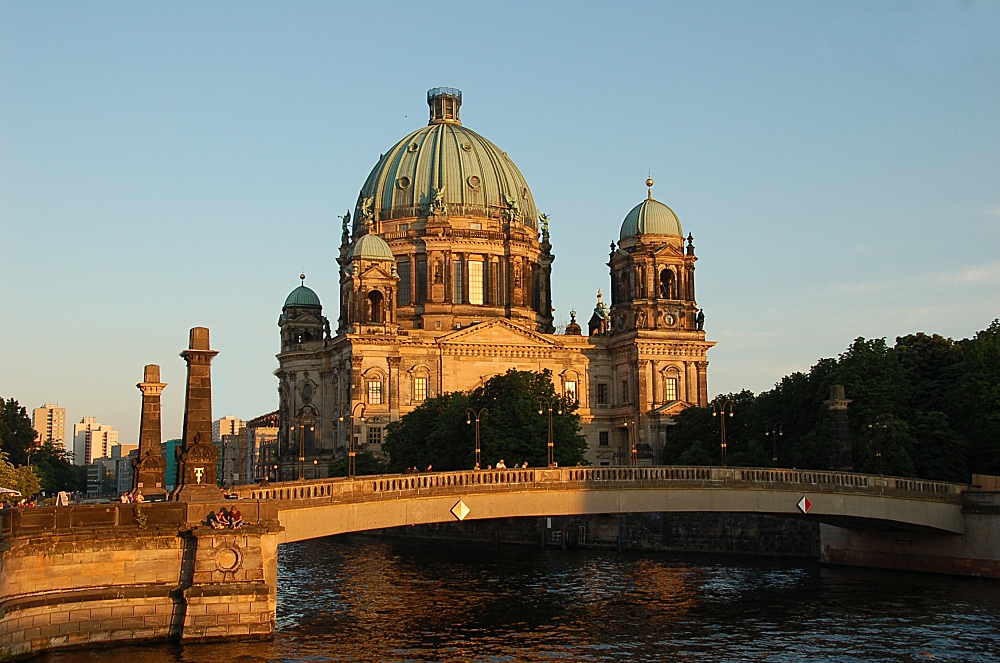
[(196, 459), (149, 469)]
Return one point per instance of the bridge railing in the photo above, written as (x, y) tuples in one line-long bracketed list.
[(388, 486)]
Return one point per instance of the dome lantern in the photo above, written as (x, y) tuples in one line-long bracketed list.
[(445, 103)]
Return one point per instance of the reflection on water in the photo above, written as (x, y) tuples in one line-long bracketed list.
[(367, 599)]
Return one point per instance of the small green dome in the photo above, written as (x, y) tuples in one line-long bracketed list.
[(302, 296), (371, 247), (651, 217)]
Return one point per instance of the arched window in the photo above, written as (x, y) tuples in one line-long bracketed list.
[(376, 307), (667, 284)]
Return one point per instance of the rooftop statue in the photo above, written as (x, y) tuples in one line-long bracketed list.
[(543, 221)]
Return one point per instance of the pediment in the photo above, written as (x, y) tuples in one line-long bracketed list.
[(376, 271), (670, 250), (497, 332)]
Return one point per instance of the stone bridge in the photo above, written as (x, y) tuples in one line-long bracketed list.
[(334, 506), (91, 574)]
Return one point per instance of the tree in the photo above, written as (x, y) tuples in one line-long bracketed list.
[(22, 479), (365, 463), (17, 436), (977, 414), (437, 432), (52, 463)]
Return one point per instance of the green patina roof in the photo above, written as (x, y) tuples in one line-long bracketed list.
[(371, 247), (303, 296), (478, 178), (651, 217)]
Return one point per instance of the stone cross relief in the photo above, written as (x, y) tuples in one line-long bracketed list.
[(199, 472)]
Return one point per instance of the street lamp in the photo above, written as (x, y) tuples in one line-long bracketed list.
[(723, 408), (315, 468), (878, 426), (543, 405), (304, 420), (349, 414), (632, 428), (774, 431), (469, 413), (275, 469)]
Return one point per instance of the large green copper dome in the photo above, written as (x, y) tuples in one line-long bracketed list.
[(448, 167)]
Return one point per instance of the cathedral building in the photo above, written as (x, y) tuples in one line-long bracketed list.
[(445, 281)]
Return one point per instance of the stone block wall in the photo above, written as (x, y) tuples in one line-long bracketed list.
[(83, 589), (66, 584)]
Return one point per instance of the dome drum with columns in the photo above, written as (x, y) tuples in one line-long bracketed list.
[(445, 273)]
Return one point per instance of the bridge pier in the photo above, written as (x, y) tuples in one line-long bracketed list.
[(96, 574)]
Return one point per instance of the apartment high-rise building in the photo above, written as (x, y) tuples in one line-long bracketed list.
[(49, 422), (226, 426), (92, 440)]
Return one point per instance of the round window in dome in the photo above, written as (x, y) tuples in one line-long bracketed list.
[(403, 182), (413, 147), (524, 193), (474, 181), (467, 146)]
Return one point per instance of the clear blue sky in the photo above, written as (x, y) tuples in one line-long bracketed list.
[(169, 165)]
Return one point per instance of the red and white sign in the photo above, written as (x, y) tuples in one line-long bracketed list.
[(804, 505)]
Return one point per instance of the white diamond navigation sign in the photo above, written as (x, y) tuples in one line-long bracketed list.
[(804, 505), (460, 510)]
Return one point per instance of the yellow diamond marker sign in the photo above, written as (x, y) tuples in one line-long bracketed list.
[(460, 510)]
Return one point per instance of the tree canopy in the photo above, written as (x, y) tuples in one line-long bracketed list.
[(442, 431), (49, 463), (930, 404)]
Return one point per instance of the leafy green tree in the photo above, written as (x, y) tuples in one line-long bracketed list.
[(438, 433), (365, 463), (53, 464), (17, 436), (977, 412), (22, 479)]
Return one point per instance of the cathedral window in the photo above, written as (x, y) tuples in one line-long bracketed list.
[(670, 389), (376, 307), (420, 389), (475, 281), (604, 438), (602, 393), (404, 283), (667, 284), (625, 399), (569, 392), (456, 282), (374, 435), (421, 281), (374, 392)]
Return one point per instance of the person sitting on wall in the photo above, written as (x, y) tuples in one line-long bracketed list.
[(138, 497), (430, 468), (235, 518), (501, 465), (219, 520)]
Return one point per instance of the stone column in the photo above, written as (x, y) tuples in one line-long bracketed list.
[(840, 432), (394, 364), (149, 468), (196, 463), (702, 383)]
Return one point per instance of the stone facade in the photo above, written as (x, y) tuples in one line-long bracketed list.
[(445, 281), (85, 575)]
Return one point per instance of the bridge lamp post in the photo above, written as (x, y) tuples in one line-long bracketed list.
[(544, 404), (723, 408), (774, 431), (315, 468), (469, 414), (878, 426), (274, 468), (310, 421), (350, 414), (632, 426)]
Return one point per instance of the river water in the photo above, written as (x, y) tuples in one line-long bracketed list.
[(358, 598)]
